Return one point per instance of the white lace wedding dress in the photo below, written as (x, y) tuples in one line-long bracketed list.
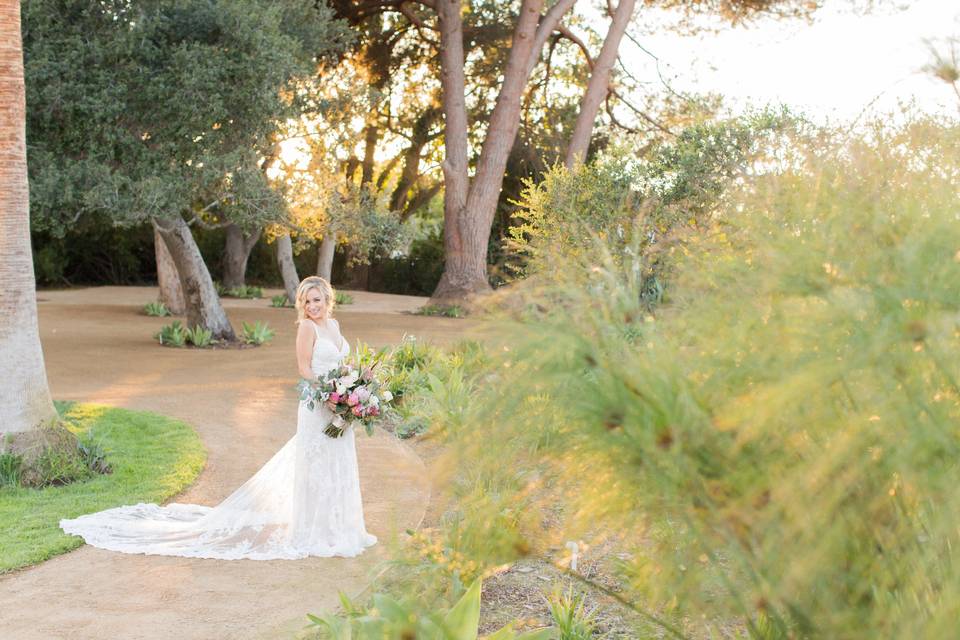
[(305, 501)]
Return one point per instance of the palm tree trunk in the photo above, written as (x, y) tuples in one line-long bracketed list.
[(25, 402)]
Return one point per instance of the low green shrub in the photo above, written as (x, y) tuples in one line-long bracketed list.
[(156, 309), (257, 333), (411, 427), (341, 297), (411, 354), (280, 301), (243, 291), (93, 454), (56, 466), (445, 310), (11, 468), (199, 336), (172, 335)]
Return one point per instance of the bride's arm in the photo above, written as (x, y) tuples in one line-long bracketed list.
[(306, 336)]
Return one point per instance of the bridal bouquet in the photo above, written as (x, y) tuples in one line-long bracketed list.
[(352, 395)]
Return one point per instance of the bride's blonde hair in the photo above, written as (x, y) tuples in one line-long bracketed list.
[(313, 282)]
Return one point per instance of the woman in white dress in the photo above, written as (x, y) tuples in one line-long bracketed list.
[(305, 501)]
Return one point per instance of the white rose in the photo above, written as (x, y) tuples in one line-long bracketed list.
[(387, 396)]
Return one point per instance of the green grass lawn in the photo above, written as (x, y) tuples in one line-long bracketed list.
[(152, 457)]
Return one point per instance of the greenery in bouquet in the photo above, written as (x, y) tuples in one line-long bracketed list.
[(351, 392)]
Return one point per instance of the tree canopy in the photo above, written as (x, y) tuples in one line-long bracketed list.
[(148, 109)]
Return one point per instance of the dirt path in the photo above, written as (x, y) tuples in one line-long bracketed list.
[(99, 348)]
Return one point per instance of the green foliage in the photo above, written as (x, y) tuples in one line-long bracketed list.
[(387, 617), (143, 111), (151, 457), (570, 615), (11, 469), (57, 466), (156, 309), (343, 298), (173, 335), (411, 354), (638, 209), (257, 333), (279, 301), (93, 454), (49, 265), (776, 447), (417, 272), (243, 291), (199, 336)]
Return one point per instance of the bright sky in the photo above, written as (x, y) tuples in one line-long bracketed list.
[(833, 68)]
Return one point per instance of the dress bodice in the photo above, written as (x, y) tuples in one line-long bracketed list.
[(326, 354)]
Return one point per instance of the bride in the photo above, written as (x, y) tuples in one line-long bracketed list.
[(305, 501)]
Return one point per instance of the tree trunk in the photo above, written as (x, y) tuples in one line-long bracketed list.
[(171, 294), (369, 151), (325, 256), (203, 303), (357, 275), (469, 209), (288, 270), (456, 182), (25, 402), (599, 84), (419, 137), (236, 254), (465, 265)]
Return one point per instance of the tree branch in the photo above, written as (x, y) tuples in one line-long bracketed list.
[(575, 39), (548, 23), (417, 23), (613, 118), (641, 113)]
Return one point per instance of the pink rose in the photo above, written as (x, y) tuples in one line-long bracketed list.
[(352, 399), (357, 411), (334, 397), (373, 411)]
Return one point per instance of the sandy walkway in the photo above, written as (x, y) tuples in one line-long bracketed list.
[(99, 348)]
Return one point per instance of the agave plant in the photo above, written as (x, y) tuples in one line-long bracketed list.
[(199, 336), (156, 309), (243, 291), (172, 335), (257, 333), (279, 301)]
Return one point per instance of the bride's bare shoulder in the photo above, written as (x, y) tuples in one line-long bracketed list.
[(305, 329)]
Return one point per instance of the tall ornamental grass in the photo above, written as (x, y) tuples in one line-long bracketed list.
[(775, 452)]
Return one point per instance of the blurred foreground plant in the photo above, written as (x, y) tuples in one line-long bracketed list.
[(775, 451), (389, 618)]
